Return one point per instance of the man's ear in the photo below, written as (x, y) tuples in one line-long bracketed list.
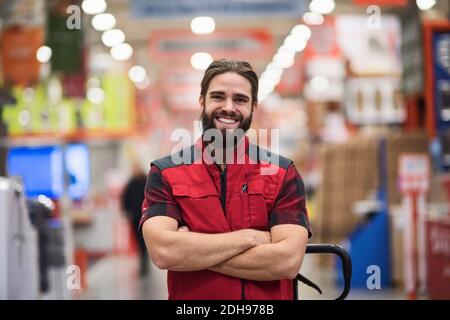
[(201, 100)]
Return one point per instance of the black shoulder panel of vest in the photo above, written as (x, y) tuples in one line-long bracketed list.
[(185, 156), (257, 153)]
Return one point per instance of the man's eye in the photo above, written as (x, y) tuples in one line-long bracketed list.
[(216, 97)]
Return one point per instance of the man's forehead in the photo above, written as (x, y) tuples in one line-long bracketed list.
[(226, 81)]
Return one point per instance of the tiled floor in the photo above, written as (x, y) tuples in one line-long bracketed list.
[(116, 277)]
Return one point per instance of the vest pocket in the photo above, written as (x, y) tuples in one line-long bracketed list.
[(257, 208), (251, 208), (200, 207)]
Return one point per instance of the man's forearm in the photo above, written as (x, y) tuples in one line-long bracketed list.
[(196, 251), (191, 251)]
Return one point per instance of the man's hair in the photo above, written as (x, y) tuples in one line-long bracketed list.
[(242, 68)]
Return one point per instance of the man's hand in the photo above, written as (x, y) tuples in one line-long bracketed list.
[(280, 259)]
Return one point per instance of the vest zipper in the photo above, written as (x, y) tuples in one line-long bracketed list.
[(223, 190), (243, 289)]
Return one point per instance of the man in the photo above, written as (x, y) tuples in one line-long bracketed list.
[(226, 229), (131, 201)]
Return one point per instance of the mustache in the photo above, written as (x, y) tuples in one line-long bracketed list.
[(233, 115)]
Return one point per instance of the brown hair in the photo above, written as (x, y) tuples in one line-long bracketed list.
[(242, 68)]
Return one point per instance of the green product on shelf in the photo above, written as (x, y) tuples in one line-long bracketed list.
[(118, 101)]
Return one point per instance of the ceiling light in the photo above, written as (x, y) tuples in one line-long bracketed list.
[(294, 44), (322, 6), (301, 32), (203, 25), (113, 37), (43, 54), (141, 85), (122, 51), (103, 21), (425, 4), (284, 58), (201, 60), (313, 18), (95, 95), (137, 73), (93, 6)]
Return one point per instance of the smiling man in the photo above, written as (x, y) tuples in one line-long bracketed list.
[(221, 228)]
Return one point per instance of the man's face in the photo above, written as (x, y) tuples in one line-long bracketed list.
[(228, 103)]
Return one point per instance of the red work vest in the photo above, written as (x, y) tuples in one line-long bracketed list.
[(215, 202)]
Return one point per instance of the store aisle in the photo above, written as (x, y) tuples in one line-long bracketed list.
[(116, 277)]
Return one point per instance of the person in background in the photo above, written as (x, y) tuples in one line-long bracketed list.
[(132, 198), (227, 230)]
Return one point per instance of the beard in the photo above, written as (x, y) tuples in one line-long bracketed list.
[(230, 137)]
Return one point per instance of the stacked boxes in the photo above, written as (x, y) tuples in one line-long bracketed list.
[(350, 174)]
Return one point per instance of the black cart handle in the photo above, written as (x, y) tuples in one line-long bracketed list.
[(346, 263)]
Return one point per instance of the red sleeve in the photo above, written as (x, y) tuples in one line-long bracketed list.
[(159, 200), (290, 205)]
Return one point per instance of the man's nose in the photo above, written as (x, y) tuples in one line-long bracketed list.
[(228, 105)]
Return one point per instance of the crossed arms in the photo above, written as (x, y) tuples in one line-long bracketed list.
[(246, 254)]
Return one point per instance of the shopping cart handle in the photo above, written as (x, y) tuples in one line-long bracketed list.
[(345, 258)]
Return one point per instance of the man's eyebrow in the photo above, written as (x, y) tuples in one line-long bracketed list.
[(241, 95), (216, 92)]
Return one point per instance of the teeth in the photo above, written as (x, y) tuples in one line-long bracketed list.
[(225, 120)]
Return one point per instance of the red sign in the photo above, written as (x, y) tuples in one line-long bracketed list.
[(323, 41), (231, 43), (381, 3), (413, 173), (19, 62), (438, 259)]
